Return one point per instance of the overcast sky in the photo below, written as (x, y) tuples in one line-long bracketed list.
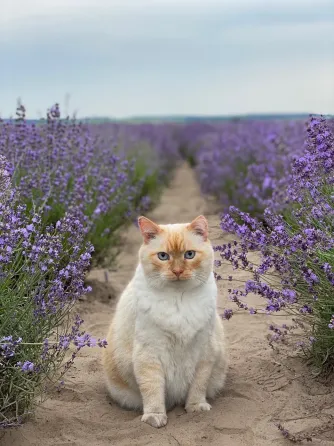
[(143, 57)]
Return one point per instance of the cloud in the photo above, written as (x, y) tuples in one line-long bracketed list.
[(18, 11), (145, 56)]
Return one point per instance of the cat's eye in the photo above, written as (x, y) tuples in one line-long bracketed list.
[(163, 256), (189, 255)]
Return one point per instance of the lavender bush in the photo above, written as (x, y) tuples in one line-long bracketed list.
[(244, 163), (295, 270), (42, 274), (108, 173)]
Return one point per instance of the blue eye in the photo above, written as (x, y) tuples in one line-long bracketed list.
[(189, 254), (163, 256)]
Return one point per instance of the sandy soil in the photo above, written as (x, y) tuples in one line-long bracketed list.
[(263, 387)]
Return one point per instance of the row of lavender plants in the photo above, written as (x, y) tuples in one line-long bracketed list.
[(65, 190), (245, 163), (275, 182)]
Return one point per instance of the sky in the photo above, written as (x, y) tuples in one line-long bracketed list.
[(123, 58)]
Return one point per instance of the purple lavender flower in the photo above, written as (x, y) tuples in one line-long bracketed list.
[(331, 323), (26, 367), (102, 343), (228, 313), (8, 346)]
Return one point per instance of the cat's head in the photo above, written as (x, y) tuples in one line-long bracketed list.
[(176, 253)]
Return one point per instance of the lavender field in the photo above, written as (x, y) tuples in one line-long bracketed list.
[(71, 191)]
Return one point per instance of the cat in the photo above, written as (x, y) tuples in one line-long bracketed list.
[(166, 341)]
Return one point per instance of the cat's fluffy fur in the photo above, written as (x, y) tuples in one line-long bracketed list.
[(166, 341)]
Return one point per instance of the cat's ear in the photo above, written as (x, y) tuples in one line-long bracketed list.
[(149, 230), (200, 227)]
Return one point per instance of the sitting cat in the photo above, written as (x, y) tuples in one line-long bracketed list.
[(166, 341)]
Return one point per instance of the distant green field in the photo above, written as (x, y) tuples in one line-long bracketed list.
[(187, 119)]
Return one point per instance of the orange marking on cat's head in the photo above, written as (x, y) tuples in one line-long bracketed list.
[(175, 242)]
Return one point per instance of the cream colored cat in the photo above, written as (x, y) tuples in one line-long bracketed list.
[(166, 341)]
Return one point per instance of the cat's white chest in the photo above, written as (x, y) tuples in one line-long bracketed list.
[(176, 315), (176, 327)]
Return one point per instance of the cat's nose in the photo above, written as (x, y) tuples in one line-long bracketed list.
[(178, 271)]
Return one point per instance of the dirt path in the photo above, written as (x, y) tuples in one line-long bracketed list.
[(262, 387)]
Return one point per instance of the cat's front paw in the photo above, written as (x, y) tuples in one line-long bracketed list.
[(155, 419), (198, 407)]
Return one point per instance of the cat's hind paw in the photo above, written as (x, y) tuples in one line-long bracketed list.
[(155, 419), (198, 407)]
